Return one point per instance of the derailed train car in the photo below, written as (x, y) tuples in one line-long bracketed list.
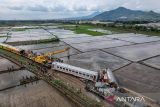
[(84, 73), (75, 71)]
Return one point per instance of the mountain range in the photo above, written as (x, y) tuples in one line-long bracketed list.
[(123, 14)]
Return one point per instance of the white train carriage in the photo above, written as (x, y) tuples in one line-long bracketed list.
[(76, 71)]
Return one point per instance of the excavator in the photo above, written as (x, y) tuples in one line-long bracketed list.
[(46, 58)]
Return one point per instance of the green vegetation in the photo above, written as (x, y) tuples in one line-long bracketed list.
[(114, 28), (89, 32), (19, 29), (23, 29), (82, 29), (4, 36), (131, 30), (57, 82), (128, 28), (34, 41)]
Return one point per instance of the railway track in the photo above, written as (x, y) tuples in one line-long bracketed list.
[(41, 72)]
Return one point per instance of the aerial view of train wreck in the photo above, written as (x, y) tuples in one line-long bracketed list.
[(101, 83), (82, 54)]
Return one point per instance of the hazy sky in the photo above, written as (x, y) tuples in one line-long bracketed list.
[(51, 9)]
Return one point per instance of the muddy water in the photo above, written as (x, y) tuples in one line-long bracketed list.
[(102, 31), (137, 52), (2, 39), (124, 35), (5, 64), (70, 52), (141, 79), (41, 46), (61, 33), (31, 34), (33, 95), (99, 45), (85, 39), (141, 39), (96, 60), (154, 62), (4, 30), (13, 78)]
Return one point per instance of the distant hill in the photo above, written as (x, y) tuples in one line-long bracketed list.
[(91, 15), (85, 17), (124, 14)]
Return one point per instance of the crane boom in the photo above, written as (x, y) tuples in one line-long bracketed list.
[(45, 58), (56, 52)]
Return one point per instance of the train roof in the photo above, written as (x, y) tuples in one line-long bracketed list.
[(9, 46), (76, 68)]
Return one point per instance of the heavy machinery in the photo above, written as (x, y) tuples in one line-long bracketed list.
[(12, 49), (43, 59), (46, 58), (102, 83)]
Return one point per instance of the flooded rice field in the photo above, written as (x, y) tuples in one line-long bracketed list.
[(61, 33), (3, 34), (29, 34), (85, 39), (96, 60), (71, 51), (6, 64), (120, 58), (35, 94), (2, 39), (124, 35), (4, 30), (41, 46), (134, 62), (141, 39), (140, 78), (153, 62), (13, 78), (38, 94), (136, 52), (99, 45), (25, 27), (102, 31)]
